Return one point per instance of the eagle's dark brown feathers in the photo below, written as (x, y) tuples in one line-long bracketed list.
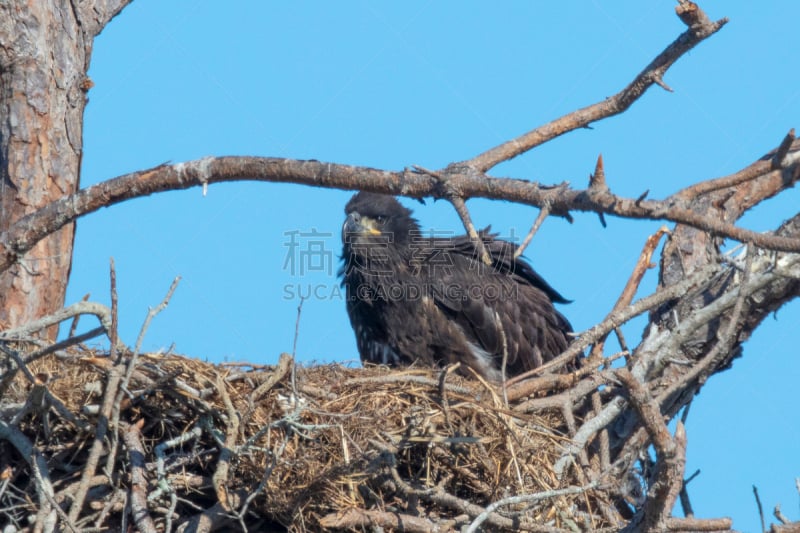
[(431, 301)]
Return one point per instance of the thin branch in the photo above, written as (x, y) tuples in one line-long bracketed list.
[(578, 382), (466, 219), (525, 498), (778, 514), (605, 450), (74, 326), (131, 362), (17, 358), (760, 509), (151, 313), (102, 312), (160, 452), (374, 520), (543, 213), (616, 319), (504, 362), (103, 420), (586, 432), (227, 453), (66, 343), (448, 189), (696, 524), (37, 462), (294, 347), (450, 501), (285, 365), (686, 503), (115, 354), (649, 413), (779, 159), (642, 265), (700, 28), (749, 173), (44, 486)]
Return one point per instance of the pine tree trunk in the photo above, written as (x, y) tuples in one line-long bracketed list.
[(45, 47)]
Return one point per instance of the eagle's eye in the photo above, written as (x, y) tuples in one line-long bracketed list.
[(381, 219)]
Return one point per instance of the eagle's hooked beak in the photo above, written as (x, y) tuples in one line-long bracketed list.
[(356, 224)]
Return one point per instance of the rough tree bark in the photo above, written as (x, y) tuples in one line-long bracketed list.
[(45, 48)]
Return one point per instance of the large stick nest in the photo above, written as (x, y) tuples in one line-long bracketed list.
[(276, 447)]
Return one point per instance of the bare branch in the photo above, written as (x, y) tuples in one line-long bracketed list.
[(102, 312), (103, 421), (779, 159), (774, 160), (700, 28), (27, 231), (453, 195), (760, 509), (463, 213), (617, 318), (138, 498), (524, 498), (38, 463), (642, 265), (670, 462), (227, 454), (362, 519), (697, 524), (599, 421), (543, 212), (151, 313), (605, 449), (778, 514), (686, 503), (649, 413)]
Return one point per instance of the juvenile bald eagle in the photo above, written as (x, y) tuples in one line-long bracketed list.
[(431, 301)]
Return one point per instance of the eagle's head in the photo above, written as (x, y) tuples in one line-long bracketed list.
[(374, 221)]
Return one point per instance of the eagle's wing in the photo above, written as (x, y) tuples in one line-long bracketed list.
[(507, 301), (503, 260), (461, 292)]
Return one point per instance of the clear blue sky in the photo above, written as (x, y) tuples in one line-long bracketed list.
[(428, 83)]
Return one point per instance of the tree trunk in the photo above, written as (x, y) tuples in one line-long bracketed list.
[(45, 47)]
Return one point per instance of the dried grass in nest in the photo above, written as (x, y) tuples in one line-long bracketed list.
[(332, 446)]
